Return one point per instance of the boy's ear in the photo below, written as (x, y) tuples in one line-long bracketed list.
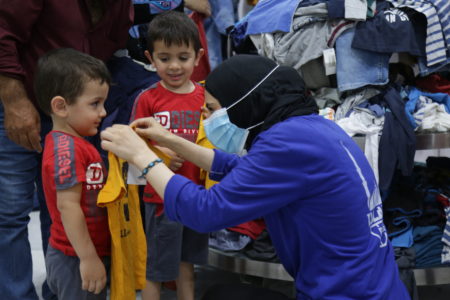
[(149, 56), (58, 106), (200, 53)]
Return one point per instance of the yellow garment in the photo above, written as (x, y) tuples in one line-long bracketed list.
[(252, 2), (129, 247), (202, 140)]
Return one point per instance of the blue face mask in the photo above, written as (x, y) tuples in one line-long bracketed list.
[(225, 135)]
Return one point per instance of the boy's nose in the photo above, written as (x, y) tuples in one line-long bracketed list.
[(174, 65), (103, 112)]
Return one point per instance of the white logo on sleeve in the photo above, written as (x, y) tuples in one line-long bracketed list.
[(94, 174), (375, 218)]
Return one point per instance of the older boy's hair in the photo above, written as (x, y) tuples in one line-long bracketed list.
[(64, 72), (173, 27)]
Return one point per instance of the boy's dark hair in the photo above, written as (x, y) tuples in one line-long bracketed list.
[(173, 27), (64, 72)]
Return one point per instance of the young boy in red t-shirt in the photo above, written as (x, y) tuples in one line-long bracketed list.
[(72, 87), (174, 49)]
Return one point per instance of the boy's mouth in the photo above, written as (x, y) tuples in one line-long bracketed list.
[(175, 77)]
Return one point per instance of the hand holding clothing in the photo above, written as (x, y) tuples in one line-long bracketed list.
[(124, 142)]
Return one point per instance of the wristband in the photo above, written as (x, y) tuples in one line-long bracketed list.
[(149, 166)]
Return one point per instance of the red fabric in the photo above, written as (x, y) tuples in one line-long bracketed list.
[(252, 228), (434, 84), (30, 28), (171, 285), (443, 199), (203, 69), (180, 114), (78, 162)]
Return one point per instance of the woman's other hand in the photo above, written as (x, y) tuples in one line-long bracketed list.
[(125, 143)]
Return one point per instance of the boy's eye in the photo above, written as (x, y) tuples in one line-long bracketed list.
[(208, 107), (163, 59), (95, 104), (184, 58)]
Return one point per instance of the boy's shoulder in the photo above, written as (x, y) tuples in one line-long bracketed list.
[(65, 145)]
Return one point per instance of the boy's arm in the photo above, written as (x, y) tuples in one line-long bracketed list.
[(92, 270), (176, 161)]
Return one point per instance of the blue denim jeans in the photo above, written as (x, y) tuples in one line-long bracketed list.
[(356, 68), (222, 17), (19, 170)]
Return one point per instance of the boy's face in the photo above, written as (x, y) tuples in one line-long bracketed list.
[(84, 116), (174, 65)]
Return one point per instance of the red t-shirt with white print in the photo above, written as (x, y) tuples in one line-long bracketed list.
[(178, 113), (69, 160)]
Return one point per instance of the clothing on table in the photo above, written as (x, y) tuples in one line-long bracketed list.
[(356, 68), (445, 258), (398, 140), (129, 248), (417, 97), (298, 206), (281, 12), (227, 240), (262, 249), (428, 246), (405, 259), (356, 9), (435, 43), (434, 83), (67, 161), (392, 30), (180, 114)]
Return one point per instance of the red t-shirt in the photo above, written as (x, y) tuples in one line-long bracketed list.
[(180, 114), (67, 161)]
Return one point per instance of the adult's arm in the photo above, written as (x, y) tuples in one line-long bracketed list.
[(21, 118), (258, 185), (201, 6), (92, 270), (22, 122), (265, 180), (150, 129)]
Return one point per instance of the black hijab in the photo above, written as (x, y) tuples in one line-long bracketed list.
[(280, 96)]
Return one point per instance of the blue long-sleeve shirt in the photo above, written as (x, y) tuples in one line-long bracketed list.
[(319, 198)]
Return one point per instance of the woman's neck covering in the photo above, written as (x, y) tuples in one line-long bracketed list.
[(280, 96)]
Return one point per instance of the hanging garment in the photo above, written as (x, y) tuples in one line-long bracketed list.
[(129, 247)]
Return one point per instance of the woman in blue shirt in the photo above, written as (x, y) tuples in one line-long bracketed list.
[(303, 174)]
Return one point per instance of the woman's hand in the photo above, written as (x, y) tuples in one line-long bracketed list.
[(151, 129), (125, 143)]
